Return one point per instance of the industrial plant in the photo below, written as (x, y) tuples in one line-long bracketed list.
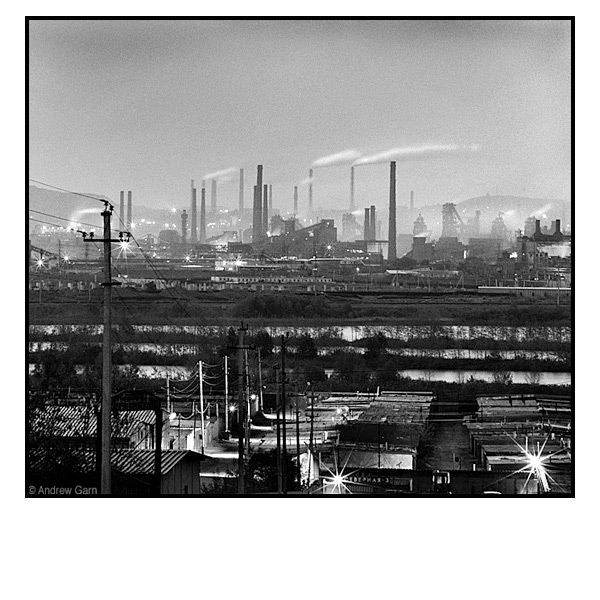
[(218, 421)]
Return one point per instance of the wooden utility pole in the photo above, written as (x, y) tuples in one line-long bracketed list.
[(310, 439), (227, 389), (260, 391), (241, 409), (248, 407), (106, 404), (201, 376), (278, 412), (297, 439), (284, 431)]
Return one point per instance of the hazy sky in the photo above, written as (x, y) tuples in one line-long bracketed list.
[(149, 105)]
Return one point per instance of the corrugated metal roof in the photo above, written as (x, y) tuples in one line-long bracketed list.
[(80, 421), (83, 460), (141, 462)]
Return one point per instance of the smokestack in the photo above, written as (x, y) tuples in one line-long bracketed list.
[(412, 200), (351, 189), (257, 219), (372, 224), (367, 227), (537, 227), (295, 200), (256, 216), (557, 230), (392, 219), (271, 200), (122, 209), (310, 191), (194, 232), (241, 201), (184, 218), (128, 211), (203, 215), (213, 196), (265, 213)]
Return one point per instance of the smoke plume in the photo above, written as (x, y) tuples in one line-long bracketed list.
[(412, 153), (221, 175), (345, 157)]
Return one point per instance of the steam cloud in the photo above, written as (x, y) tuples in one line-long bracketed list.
[(340, 158), (221, 175), (416, 153)]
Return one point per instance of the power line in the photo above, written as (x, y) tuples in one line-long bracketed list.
[(70, 192)]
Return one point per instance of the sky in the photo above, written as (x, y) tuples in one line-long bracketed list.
[(149, 105)]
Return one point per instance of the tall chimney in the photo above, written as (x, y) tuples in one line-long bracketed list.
[(372, 224), (310, 191), (241, 201), (128, 211), (295, 200), (203, 215), (351, 189), (257, 219), (270, 200), (256, 216), (367, 227), (538, 231), (184, 218), (265, 213), (194, 232), (213, 196), (122, 209), (392, 219), (412, 200), (557, 231)]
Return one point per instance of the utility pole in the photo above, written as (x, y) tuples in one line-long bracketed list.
[(297, 438), (284, 432), (106, 405), (227, 381), (241, 408), (201, 376), (248, 407), (310, 439), (168, 395), (278, 410), (260, 391)]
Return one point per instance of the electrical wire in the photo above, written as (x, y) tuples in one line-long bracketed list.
[(70, 192)]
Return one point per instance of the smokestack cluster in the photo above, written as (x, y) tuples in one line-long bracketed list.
[(241, 199), (203, 214), (257, 218), (370, 226), (392, 219), (129, 221), (194, 232)]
